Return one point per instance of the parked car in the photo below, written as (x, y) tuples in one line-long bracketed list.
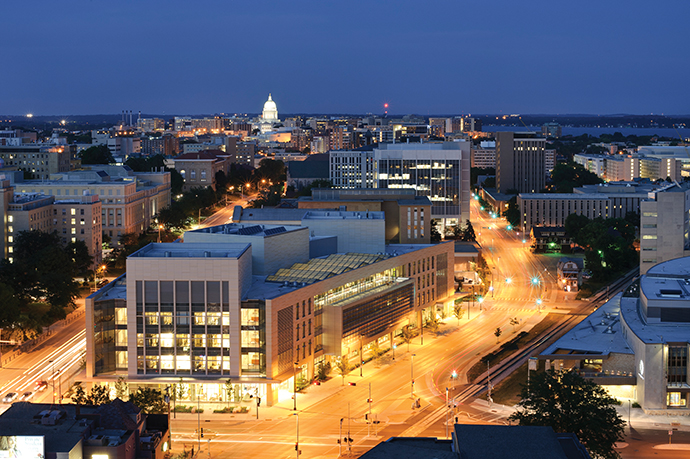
[(10, 397)]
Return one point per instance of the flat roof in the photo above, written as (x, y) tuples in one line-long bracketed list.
[(652, 333), (598, 334), (191, 250), (248, 229), (62, 437), (342, 215)]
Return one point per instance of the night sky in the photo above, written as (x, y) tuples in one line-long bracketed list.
[(423, 57)]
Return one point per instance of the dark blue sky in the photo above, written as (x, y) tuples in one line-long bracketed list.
[(425, 57)]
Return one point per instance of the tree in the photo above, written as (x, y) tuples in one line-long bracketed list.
[(375, 349), (514, 321), (99, 395), (343, 367), (512, 213), (497, 333), (467, 233), (9, 311), (323, 370), (407, 335), (458, 311), (149, 400), (228, 389), (435, 234), (98, 154), (570, 403), (121, 388), (79, 253), (79, 395), (42, 268), (567, 176), (432, 325)]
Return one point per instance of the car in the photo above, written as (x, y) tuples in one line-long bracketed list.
[(103, 283), (41, 386), (10, 397), (26, 395)]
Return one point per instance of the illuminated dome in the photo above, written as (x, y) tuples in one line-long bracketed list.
[(270, 112)]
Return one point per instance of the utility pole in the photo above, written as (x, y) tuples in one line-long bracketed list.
[(412, 376), (340, 438), (349, 443)]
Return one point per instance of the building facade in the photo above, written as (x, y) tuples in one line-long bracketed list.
[(520, 162), (664, 225), (196, 311), (439, 171), (40, 160)]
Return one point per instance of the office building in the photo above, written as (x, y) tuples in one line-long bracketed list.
[(549, 161), (38, 159), (622, 168), (129, 200), (197, 310), (150, 124), (664, 225), (520, 162), (484, 155), (636, 345), (73, 218), (612, 200), (439, 171), (406, 214), (166, 145), (551, 130)]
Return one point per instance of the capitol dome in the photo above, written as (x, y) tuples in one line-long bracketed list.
[(270, 112)]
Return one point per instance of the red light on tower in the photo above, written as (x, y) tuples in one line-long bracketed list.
[(385, 108)]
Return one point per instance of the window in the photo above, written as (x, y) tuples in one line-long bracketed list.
[(73, 211)]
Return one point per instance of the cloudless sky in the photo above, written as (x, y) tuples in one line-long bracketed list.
[(424, 57)]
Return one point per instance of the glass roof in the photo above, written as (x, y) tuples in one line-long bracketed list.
[(318, 269)]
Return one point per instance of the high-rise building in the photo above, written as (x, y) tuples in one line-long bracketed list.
[(484, 155), (551, 130), (520, 162)]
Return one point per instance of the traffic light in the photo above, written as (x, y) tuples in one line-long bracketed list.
[(370, 400), (352, 384), (258, 401), (296, 446), (202, 432)]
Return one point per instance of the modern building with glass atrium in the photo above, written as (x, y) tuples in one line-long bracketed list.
[(199, 313)]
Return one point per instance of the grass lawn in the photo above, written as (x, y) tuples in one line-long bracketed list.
[(508, 391), (510, 347)]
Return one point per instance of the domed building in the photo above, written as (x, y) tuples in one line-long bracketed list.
[(269, 116), (270, 113)]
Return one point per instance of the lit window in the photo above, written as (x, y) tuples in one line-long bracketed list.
[(74, 239), (10, 218), (10, 238), (73, 211)]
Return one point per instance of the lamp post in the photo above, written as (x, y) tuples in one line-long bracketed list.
[(340, 439), (412, 376), (394, 346), (297, 451), (294, 386), (160, 227)]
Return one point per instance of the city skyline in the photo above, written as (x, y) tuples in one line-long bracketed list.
[(495, 57)]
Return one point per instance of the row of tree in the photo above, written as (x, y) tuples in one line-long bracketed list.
[(43, 270)]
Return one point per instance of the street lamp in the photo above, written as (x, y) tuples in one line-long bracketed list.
[(412, 376), (394, 347), (160, 227), (294, 385)]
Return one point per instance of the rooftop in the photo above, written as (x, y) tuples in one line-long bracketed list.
[(191, 250), (342, 215), (318, 269), (247, 229), (598, 334)]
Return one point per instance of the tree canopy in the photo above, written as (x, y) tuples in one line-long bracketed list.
[(566, 176), (467, 233), (149, 400), (98, 154), (570, 403), (608, 244)]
